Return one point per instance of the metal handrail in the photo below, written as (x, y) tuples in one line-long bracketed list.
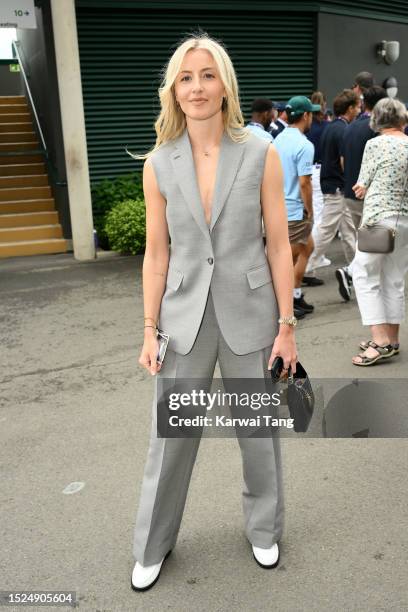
[(54, 171), (14, 44)]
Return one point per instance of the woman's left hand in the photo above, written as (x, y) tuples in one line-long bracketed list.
[(359, 191), (285, 347)]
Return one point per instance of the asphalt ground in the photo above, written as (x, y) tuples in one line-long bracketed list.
[(75, 407)]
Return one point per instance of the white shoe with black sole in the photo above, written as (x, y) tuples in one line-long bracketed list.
[(345, 281), (143, 578), (267, 558)]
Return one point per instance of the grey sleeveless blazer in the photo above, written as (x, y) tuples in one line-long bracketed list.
[(229, 255)]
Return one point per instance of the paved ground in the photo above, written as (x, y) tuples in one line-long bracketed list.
[(75, 407)]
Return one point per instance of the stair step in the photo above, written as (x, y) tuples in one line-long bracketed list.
[(29, 180), (18, 107), (33, 247), (37, 232), (13, 147), (22, 169), (49, 217), (21, 158), (24, 193), (4, 100), (16, 127), (9, 109), (27, 206), (18, 137), (15, 118)]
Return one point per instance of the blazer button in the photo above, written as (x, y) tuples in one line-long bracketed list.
[(210, 261)]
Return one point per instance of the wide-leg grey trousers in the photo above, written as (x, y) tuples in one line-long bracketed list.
[(170, 461)]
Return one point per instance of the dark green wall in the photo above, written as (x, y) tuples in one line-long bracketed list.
[(123, 52)]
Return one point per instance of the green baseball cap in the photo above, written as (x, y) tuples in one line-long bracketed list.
[(299, 105)]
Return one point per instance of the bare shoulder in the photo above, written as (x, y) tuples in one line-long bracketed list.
[(272, 161)]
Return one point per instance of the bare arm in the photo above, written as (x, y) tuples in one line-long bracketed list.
[(155, 263), (306, 192), (279, 253)]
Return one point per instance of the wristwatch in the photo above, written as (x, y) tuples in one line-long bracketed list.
[(288, 321)]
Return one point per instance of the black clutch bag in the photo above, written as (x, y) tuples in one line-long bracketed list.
[(300, 396)]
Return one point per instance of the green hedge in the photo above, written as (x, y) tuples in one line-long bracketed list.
[(125, 227), (109, 193)]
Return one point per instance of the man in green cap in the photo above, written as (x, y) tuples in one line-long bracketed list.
[(296, 153)]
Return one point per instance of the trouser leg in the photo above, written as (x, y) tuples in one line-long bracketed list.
[(367, 286), (329, 223), (394, 270), (262, 496), (379, 279), (170, 461), (317, 199), (348, 233), (356, 209)]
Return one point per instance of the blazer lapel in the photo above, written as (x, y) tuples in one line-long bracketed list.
[(184, 169), (229, 161)]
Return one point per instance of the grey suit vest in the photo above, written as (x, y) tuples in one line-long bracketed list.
[(228, 256)]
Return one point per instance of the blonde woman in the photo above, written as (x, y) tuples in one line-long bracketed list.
[(208, 182)]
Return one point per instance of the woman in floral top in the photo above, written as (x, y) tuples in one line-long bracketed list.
[(379, 278)]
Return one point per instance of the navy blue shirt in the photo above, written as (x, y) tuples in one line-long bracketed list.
[(331, 173), (314, 135), (355, 138)]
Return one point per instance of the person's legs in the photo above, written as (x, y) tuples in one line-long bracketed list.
[(317, 197), (367, 284), (263, 502), (329, 223), (394, 271), (369, 276), (304, 252), (356, 210), (170, 461), (393, 333), (348, 233)]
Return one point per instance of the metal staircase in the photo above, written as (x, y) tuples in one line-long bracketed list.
[(29, 223)]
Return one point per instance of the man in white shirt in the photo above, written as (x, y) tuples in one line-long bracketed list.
[(282, 120)]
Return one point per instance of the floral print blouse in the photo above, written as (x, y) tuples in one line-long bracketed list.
[(383, 172)]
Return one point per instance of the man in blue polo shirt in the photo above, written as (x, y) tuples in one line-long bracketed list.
[(296, 153)]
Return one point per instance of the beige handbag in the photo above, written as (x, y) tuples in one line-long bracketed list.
[(377, 238)]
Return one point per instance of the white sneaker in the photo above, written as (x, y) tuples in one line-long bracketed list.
[(324, 261), (320, 263), (144, 578), (266, 557)]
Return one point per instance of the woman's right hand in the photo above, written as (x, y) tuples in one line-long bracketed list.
[(150, 350)]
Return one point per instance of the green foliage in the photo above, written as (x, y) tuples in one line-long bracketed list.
[(107, 194), (125, 227)]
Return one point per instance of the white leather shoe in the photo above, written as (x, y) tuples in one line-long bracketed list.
[(267, 558), (144, 578)]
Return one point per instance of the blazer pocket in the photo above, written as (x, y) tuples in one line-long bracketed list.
[(259, 276), (174, 278), (247, 183)]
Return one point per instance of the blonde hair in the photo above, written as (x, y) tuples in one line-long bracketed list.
[(171, 121)]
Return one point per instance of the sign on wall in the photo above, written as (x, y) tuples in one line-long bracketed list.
[(17, 14)]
